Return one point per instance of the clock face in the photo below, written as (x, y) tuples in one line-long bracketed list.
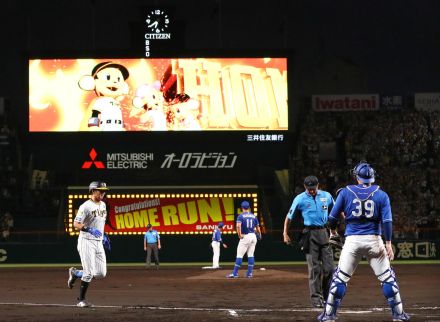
[(157, 21)]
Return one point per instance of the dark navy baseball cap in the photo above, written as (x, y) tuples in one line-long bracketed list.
[(149, 226), (245, 205), (311, 182), (220, 224)]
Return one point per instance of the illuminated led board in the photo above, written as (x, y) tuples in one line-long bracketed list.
[(168, 213)]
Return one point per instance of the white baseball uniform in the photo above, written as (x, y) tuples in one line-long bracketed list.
[(91, 251)]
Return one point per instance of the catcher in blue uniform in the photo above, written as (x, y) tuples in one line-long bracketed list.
[(367, 209)]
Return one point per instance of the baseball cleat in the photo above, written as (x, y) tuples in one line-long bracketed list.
[(327, 318), (401, 317), (72, 277), (84, 303), (318, 305), (231, 276), (249, 275)]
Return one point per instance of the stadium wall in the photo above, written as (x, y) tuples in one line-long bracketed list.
[(188, 248)]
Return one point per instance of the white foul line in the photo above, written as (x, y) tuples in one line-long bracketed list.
[(232, 312)]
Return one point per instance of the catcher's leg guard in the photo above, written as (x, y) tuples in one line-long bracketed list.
[(338, 287), (391, 291)]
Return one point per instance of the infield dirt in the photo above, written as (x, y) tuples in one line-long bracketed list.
[(278, 293)]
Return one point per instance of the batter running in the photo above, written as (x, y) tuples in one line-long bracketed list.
[(90, 220)]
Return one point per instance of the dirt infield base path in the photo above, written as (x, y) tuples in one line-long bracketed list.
[(192, 294)]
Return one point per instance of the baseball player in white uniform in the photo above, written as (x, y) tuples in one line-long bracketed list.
[(90, 220)]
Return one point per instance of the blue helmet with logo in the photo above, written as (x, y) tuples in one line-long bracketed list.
[(364, 172)]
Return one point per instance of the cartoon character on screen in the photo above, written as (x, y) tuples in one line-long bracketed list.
[(149, 108), (108, 80), (182, 111), (185, 112)]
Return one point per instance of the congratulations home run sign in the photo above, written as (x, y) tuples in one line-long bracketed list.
[(168, 212)]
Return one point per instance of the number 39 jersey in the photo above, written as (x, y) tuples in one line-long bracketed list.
[(365, 209), (248, 222)]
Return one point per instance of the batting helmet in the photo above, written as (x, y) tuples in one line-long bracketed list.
[(98, 185), (364, 172)]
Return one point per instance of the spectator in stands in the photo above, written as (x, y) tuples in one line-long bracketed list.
[(405, 148), (6, 223)]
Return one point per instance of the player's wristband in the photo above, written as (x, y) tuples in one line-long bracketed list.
[(86, 229)]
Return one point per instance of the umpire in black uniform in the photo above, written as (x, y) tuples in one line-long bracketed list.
[(314, 205)]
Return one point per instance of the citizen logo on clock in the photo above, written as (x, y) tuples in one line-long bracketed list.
[(157, 21)]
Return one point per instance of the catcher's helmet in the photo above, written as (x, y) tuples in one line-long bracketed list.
[(98, 185), (364, 172)]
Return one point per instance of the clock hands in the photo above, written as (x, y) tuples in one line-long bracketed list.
[(154, 24)]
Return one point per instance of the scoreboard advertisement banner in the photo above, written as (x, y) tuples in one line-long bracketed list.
[(341, 103), (135, 95), (168, 213)]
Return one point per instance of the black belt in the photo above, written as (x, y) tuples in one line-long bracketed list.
[(315, 227)]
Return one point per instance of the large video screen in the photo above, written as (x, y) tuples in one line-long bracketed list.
[(197, 94)]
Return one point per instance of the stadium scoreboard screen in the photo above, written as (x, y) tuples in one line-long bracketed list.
[(167, 121), (129, 95)]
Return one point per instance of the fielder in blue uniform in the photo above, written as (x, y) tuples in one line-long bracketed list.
[(215, 244), (248, 231), (314, 204), (367, 209)]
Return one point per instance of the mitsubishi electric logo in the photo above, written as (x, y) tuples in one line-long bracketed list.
[(119, 161), (97, 164)]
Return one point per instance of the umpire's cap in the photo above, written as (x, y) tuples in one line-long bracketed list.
[(311, 182), (98, 185), (245, 205), (220, 224)]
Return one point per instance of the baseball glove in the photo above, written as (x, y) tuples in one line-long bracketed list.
[(336, 241)]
